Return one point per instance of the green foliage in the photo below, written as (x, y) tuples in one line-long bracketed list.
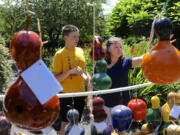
[(5, 67), (132, 17), (53, 16)]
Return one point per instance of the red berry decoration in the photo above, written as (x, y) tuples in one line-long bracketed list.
[(138, 108), (25, 48), (98, 50)]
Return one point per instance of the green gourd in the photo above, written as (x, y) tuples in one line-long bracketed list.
[(153, 115), (100, 79)]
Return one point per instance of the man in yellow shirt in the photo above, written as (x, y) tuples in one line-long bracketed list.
[(69, 67)]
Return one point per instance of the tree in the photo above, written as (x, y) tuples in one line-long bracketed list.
[(53, 15), (132, 17)]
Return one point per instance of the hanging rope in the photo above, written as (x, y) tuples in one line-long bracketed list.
[(164, 7), (156, 17)]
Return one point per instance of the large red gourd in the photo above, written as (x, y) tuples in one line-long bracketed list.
[(21, 106), (161, 64), (138, 108)]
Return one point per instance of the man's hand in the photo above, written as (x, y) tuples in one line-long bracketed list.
[(77, 70)]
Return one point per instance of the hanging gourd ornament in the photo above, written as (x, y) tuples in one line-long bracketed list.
[(161, 65), (165, 122), (5, 126), (97, 48), (25, 48), (153, 115), (99, 126), (73, 117), (146, 129), (171, 97), (98, 109), (98, 103), (21, 106), (173, 129), (100, 79), (138, 108), (121, 117)]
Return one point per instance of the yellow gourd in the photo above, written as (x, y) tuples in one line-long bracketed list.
[(146, 129), (155, 101), (173, 130)]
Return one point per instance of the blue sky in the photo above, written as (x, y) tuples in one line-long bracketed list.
[(109, 6)]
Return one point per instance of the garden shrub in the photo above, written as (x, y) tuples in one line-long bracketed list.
[(5, 66)]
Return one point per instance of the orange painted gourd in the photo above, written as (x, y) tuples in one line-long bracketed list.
[(161, 65), (21, 106)]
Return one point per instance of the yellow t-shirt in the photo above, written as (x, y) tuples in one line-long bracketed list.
[(66, 59)]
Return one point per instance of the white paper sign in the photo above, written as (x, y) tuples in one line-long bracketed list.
[(41, 81), (75, 130), (100, 126), (175, 111), (84, 76)]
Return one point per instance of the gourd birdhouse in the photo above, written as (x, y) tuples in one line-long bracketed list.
[(99, 126), (99, 52), (165, 122), (173, 129), (121, 117), (73, 126), (73, 116), (100, 80), (21, 106), (25, 48), (153, 115), (146, 129), (138, 108), (161, 65), (5, 126), (98, 109), (98, 103)]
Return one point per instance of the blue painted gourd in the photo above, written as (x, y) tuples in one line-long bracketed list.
[(121, 117), (73, 117)]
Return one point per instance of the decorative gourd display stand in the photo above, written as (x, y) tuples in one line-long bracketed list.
[(138, 108), (161, 65), (73, 126), (99, 127), (153, 115), (121, 118), (100, 80), (21, 106)]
